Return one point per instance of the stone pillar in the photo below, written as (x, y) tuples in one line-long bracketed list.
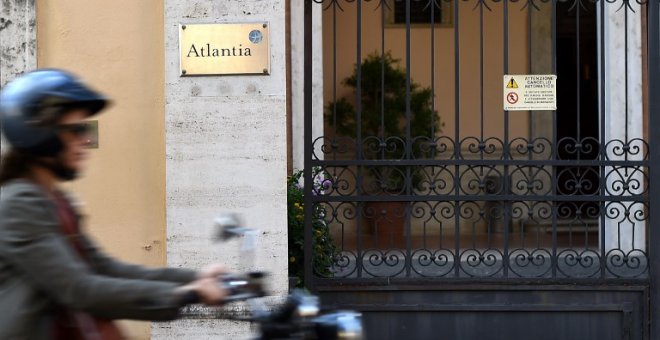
[(226, 153), (18, 38), (298, 80), (18, 41), (622, 125)]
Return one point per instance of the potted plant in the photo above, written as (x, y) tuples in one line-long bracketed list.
[(383, 117), (384, 134)]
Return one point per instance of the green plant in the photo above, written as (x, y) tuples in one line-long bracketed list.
[(384, 121), (325, 252), (394, 109)]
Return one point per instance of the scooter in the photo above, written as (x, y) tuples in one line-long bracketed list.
[(299, 317)]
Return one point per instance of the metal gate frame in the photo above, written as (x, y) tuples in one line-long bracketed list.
[(343, 293)]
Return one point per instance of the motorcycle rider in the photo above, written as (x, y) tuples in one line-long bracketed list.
[(55, 282)]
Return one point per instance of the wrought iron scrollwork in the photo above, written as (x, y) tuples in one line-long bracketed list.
[(505, 205)]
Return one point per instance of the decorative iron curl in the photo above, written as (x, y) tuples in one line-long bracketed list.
[(531, 180), (488, 180), (577, 181), (337, 182), (633, 263), (482, 3), (388, 260), (628, 6), (382, 148), (578, 2), (381, 263), (432, 181), (627, 211), (615, 210), (641, 215), (469, 210), (389, 180), (331, 146), (518, 210), (532, 4), (484, 263), (537, 262), (496, 211), (531, 211), (433, 263), (428, 211), (348, 211), (345, 265), (535, 146), (626, 180), (436, 210), (543, 210), (334, 3), (589, 211), (586, 148), (572, 263), (487, 146), (433, 148), (635, 148), (565, 210)]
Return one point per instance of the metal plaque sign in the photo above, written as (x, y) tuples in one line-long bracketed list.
[(220, 49), (529, 92)]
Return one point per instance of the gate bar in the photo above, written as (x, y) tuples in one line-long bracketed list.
[(653, 36)]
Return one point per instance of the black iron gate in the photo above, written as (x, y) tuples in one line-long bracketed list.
[(441, 215)]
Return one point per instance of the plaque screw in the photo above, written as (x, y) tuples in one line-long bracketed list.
[(183, 71), (265, 25), (183, 27), (265, 71)]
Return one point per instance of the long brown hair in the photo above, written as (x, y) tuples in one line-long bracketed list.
[(15, 164)]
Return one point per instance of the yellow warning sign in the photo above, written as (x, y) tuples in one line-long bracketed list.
[(512, 84), (527, 92)]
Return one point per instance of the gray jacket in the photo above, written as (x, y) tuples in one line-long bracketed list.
[(39, 270)]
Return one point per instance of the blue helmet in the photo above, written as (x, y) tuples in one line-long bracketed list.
[(31, 106)]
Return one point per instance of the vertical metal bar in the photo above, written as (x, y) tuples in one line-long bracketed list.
[(577, 75), (506, 206), (578, 138), (334, 76), (457, 142), (554, 206), (382, 78), (408, 141), (358, 86), (408, 114), (358, 112), (602, 141), (308, 145), (530, 135), (481, 75), (433, 116), (653, 26)]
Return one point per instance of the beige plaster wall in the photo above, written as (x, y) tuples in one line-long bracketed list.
[(117, 46), (420, 46)]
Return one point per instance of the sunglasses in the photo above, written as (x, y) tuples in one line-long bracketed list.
[(76, 129)]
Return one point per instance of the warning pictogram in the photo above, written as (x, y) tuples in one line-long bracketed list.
[(512, 84), (512, 98)]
